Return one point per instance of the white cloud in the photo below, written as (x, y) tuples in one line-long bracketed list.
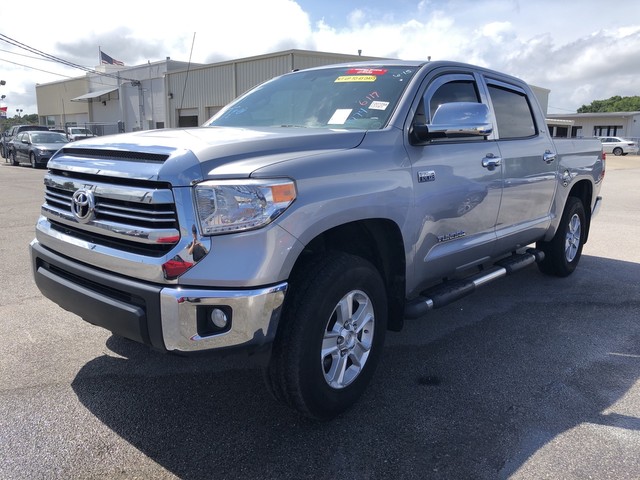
[(563, 46)]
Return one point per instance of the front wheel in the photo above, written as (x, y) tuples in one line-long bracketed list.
[(14, 160), (32, 160), (330, 336), (563, 251)]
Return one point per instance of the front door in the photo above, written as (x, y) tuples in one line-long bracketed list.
[(457, 199)]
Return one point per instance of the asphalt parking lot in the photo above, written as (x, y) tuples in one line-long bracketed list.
[(531, 377)]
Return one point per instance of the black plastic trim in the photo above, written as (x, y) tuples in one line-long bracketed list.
[(125, 307)]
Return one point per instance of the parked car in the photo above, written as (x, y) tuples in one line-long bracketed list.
[(11, 133), (36, 147), (618, 146), (78, 133)]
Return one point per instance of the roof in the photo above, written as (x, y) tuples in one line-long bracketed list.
[(596, 114), (98, 94)]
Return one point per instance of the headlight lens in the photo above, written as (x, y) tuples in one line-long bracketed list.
[(228, 206)]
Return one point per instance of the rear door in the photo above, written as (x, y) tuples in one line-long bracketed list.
[(529, 163)]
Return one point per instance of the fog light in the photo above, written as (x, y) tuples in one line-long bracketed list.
[(213, 319), (219, 318)]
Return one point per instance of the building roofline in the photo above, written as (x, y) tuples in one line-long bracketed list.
[(592, 114)]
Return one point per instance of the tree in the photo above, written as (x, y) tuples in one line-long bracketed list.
[(29, 119), (613, 104)]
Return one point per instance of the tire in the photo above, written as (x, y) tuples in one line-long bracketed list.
[(32, 160), (321, 360), (14, 161), (617, 151), (563, 251)]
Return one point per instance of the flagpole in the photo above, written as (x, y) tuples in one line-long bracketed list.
[(99, 55)]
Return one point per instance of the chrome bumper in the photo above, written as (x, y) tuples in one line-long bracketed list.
[(254, 316), (171, 318)]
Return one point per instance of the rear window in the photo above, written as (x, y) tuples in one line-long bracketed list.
[(513, 113)]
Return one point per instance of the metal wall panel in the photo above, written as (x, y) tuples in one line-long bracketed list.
[(255, 72)]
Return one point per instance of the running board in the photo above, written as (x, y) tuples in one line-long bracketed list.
[(452, 290)]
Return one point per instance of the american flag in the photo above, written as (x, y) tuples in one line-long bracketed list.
[(106, 59)]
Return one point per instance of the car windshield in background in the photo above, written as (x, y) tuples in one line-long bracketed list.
[(352, 98), (48, 137)]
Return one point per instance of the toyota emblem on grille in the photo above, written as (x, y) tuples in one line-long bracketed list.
[(83, 205)]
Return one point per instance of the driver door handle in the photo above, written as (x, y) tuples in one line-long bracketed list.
[(549, 156), (490, 161)]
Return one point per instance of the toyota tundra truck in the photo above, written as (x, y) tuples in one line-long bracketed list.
[(312, 214)]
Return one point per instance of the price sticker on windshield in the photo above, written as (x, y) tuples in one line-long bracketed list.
[(356, 78)]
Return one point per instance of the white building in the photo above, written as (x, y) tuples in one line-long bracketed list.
[(164, 94), (115, 99), (608, 124)]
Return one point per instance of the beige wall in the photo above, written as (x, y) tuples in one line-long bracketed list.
[(54, 99)]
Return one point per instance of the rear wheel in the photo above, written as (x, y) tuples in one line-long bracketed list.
[(330, 336), (563, 251), (617, 151)]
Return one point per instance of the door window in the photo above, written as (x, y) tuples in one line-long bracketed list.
[(514, 117), (455, 91), (447, 89)]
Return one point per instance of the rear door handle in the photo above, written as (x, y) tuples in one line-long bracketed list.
[(490, 161)]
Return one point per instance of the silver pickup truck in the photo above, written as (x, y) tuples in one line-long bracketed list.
[(312, 214)]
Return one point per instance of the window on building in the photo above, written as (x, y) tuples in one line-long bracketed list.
[(608, 131), (562, 132)]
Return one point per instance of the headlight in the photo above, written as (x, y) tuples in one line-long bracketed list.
[(227, 206)]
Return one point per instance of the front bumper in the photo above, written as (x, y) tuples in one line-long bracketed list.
[(169, 318)]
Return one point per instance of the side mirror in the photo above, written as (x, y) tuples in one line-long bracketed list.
[(454, 120)]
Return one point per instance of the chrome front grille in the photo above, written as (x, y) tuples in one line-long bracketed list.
[(138, 216)]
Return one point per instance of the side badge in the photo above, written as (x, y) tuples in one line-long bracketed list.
[(428, 176)]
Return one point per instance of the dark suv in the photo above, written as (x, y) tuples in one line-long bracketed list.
[(10, 134)]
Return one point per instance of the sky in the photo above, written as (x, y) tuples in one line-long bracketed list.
[(581, 50)]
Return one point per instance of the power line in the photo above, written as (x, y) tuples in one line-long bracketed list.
[(48, 56), (565, 109), (34, 68)]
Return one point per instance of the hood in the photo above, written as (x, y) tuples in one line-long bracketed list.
[(48, 146), (183, 156)]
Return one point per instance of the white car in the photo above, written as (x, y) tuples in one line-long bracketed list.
[(78, 133), (618, 145)]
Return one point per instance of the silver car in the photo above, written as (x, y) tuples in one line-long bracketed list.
[(618, 146), (35, 148)]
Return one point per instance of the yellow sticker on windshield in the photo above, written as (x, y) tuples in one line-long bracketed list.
[(356, 78)]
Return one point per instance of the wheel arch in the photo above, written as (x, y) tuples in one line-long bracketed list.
[(584, 191), (379, 241)]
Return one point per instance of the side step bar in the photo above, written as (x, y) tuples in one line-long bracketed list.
[(452, 290)]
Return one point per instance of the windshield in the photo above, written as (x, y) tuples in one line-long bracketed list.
[(357, 98), (48, 137)]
